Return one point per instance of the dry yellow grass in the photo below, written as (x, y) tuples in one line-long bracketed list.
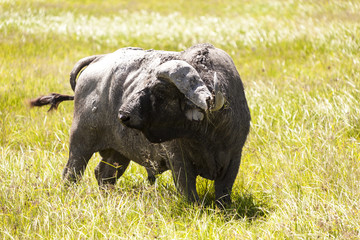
[(300, 173)]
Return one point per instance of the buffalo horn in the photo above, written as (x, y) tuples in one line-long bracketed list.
[(187, 80)]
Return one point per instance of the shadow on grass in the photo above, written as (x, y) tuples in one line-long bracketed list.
[(251, 207), (243, 206)]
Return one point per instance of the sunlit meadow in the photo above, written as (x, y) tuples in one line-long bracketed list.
[(300, 171)]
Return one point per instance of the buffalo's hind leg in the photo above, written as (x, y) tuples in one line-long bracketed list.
[(76, 166), (79, 157), (110, 168), (80, 152)]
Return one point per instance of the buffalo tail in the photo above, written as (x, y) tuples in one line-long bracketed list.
[(53, 99)]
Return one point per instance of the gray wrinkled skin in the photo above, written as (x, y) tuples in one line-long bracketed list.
[(126, 110)]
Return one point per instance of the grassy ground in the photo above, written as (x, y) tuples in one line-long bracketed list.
[(300, 173)]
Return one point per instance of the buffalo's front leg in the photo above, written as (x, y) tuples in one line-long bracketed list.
[(151, 176), (111, 167), (185, 179), (224, 184)]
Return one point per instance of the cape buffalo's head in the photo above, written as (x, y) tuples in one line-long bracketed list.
[(171, 103)]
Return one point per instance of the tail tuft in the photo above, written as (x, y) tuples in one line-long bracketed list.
[(53, 99)]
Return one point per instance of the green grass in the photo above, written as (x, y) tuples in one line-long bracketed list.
[(300, 171)]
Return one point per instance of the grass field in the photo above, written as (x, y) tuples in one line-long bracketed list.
[(300, 172)]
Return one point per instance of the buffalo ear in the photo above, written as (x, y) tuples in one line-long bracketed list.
[(219, 99), (187, 80)]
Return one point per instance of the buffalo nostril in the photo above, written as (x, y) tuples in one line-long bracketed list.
[(124, 118)]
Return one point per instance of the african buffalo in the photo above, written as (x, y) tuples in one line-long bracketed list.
[(184, 111)]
